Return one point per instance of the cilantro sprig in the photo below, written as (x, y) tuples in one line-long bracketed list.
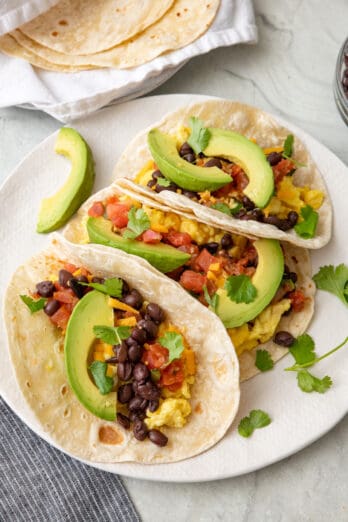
[(308, 226), (334, 280), (309, 383), (211, 300), (288, 150), (112, 286), (34, 305), (163, 182), (257, 419), (174, 344), (222, 207), (240, 289), (103, 382), (200, 135), (264, 361), (138, 222), (112, 334)]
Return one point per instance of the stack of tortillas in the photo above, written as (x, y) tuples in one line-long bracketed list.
[(77, 35)]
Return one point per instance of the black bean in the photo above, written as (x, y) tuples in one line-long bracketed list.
[(272, 220), (191, 158), (137, 415), (247, 203), (125, 287), (185, 149), (45, 288), (247, 217), (123, 420), (51, 307), (137, 403), (139, 335), (212, 247), (157, 174), (112, 360), (226, 241), (257, 214), (293, 276), (64, 277), (82, 279), (140, 430), (284, 225), (240, 214), (135, 352), (213, 162), (121, 352), (133, 299), (135, 385), (149, 391), (345, 81), (153, 405), (189, 194), (99, 280), (78, 289), (140, 372), (274, 158), (124, 370), (284, 339), (151, 183), (158, 438), (125, 393), (155, 312), (172, 187), (149, 326), (292, 217)]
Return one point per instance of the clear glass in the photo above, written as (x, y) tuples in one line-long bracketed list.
[(340, 93)]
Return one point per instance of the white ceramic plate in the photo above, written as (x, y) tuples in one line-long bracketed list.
[(297, 418)]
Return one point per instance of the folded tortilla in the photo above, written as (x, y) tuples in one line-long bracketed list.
[(297, 259), (36, 348), (253, 123)]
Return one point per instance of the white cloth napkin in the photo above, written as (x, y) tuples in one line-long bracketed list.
[(67, 96), (14, 13)]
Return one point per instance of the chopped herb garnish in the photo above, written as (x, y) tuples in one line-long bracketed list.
[(163, 182), (104, 383), (288, 145), (240, 289), (34, 305), (222, 207), (311, 361), (200, 135), (307, 227), (112, 286), (309, 383), (112, 334), (236, 208), (138, 222), (334, 280), (303, 349), (174, 344), (257, 419), (263, 360), (211, 300)]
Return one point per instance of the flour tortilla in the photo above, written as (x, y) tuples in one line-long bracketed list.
[(297, 259), (90, 26), (36, 348), (183, 23), (252, 123)]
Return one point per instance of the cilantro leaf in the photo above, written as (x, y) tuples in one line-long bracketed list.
[(213, 300), (263, 360), (334, 280), (222, 207), (303, 349), (309, 383), (163, 182), (103, 382), (112, 286), (200, 135), (138, 222), (174, 343), (240, 289), (32, 304), (236, 208), (288, 145), (304, 353), (257, 419), (307, 227), (112, 334)]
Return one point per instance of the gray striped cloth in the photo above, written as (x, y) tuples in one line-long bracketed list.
[(41, 484)]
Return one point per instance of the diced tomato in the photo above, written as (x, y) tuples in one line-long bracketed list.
[(173, 375), (65, 296), (282, 169), (150, 236), (155, 356), (118, 214), (178, 239), (96, 210), (191, 249), (193, 281), (175, 274), (70, 268), (111, 199), (240, 178), (224, 191), (61, 317), (297, 299), (204, 260)]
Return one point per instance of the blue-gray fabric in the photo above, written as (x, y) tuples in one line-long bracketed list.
[(41, 484)]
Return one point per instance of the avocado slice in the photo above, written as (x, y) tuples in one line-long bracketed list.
[(163, 257), (184, 174), (91, 310), (267, 278), (57, 209), (239, 149)]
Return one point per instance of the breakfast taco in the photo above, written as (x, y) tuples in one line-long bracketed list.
[(233, 165), (116, 361), (260, 288)]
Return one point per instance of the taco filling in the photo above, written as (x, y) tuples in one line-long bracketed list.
[(245, 282), (242, 180), (138, 355)]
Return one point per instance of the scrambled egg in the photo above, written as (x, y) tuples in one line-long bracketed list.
[(246, 337), (171, 412), (289, 197)]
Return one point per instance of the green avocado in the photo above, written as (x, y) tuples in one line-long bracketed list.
[(57, 209), (267, 278), (184, 174), (239, 149), (163, 257), (91, 310)]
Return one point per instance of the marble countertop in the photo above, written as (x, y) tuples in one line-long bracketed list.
[(290, 73)]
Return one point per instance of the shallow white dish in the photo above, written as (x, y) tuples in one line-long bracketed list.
[(297, 418)]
